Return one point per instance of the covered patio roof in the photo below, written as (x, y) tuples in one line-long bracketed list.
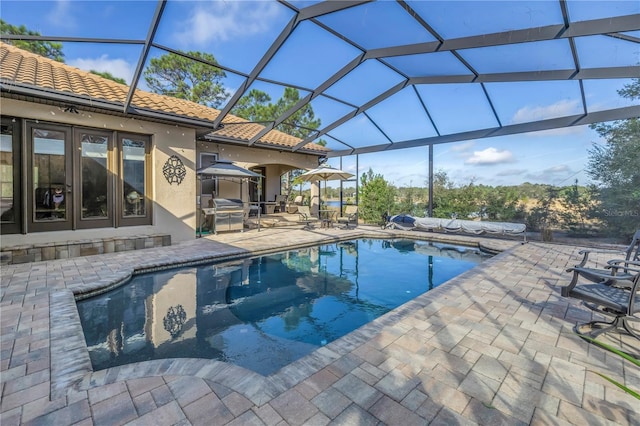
[(453, 70)]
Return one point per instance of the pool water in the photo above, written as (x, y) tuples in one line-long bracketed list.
[(265, 312)]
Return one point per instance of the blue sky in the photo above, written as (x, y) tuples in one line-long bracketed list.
[(553, 157), (238, 33)]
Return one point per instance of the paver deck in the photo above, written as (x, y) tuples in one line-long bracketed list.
[(492, 346)]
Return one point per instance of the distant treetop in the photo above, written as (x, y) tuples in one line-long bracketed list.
[(48, 49)]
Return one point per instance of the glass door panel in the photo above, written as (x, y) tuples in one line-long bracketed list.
[(133, 177), (51, 196), (10, 216), (7, 199), (95, 182), (134, 188), (257, 188)]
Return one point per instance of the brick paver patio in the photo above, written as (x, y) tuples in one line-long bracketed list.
[(493, 346)]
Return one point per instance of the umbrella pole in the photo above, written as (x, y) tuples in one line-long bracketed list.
[(199, 215), (325, 193)]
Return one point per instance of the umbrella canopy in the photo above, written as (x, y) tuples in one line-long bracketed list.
[(223, 168), (325, 173)]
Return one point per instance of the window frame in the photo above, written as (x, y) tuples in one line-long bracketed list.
[(206, 159)]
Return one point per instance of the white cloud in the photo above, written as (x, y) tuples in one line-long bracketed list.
[(117, 67), (220, 21), (459, 150), (561, 108), (511, 172), (462, 146), (490, 156), (562, 131), (550, 174), (60, 15), (409, 179), (562, 168), (350, 168)]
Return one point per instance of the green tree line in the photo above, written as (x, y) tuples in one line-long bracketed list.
[(610, 206)]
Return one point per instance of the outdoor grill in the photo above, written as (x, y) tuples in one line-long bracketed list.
[(228, 215)]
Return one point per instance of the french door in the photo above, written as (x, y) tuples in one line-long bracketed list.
[(74, 178), (50, 182), (11, 220), (94, 180), (257, 189)]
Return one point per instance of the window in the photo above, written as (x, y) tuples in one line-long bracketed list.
[(209, 186)]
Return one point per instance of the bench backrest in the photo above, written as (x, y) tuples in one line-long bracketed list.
[(304, 210), (350, 210), (633, 251)]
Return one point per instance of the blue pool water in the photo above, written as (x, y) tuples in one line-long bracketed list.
[(264, 312)]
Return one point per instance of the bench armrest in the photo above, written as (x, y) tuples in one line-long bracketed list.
[(616, 264), (585, 254)]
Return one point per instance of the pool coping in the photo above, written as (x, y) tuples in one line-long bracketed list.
[(71, 368), (495, 345)]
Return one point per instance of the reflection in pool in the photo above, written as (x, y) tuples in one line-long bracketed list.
[(263, 313)]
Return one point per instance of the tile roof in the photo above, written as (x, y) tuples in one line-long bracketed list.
[(26, 68)]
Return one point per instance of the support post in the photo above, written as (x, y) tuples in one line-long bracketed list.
[(431, 180)]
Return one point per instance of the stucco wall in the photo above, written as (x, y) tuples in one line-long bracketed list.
[(174, 208), (174, 205)]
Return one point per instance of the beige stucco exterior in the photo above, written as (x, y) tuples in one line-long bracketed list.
[(174, 206)]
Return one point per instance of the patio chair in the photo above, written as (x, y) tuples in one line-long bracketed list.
[(281, 201), (297, 202), (614, 272), (306, 217), (350, 216), (620, 302)]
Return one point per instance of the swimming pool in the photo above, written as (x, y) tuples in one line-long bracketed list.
[(265, 312)]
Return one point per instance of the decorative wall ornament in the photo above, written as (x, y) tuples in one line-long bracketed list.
[(174, 320), (174, 170)]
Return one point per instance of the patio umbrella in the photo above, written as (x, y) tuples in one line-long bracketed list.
[(325, 173)]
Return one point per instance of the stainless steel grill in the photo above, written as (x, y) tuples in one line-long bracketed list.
[(228, 215)]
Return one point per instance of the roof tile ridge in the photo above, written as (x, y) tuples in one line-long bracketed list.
[(83, 74), (7, 55)]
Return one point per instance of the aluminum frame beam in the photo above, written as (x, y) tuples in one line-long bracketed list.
[(253, 75), (153, 27), (617, 24), (554, 123), (551, 32), (612, 26), (347, 117), (314, 94)]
